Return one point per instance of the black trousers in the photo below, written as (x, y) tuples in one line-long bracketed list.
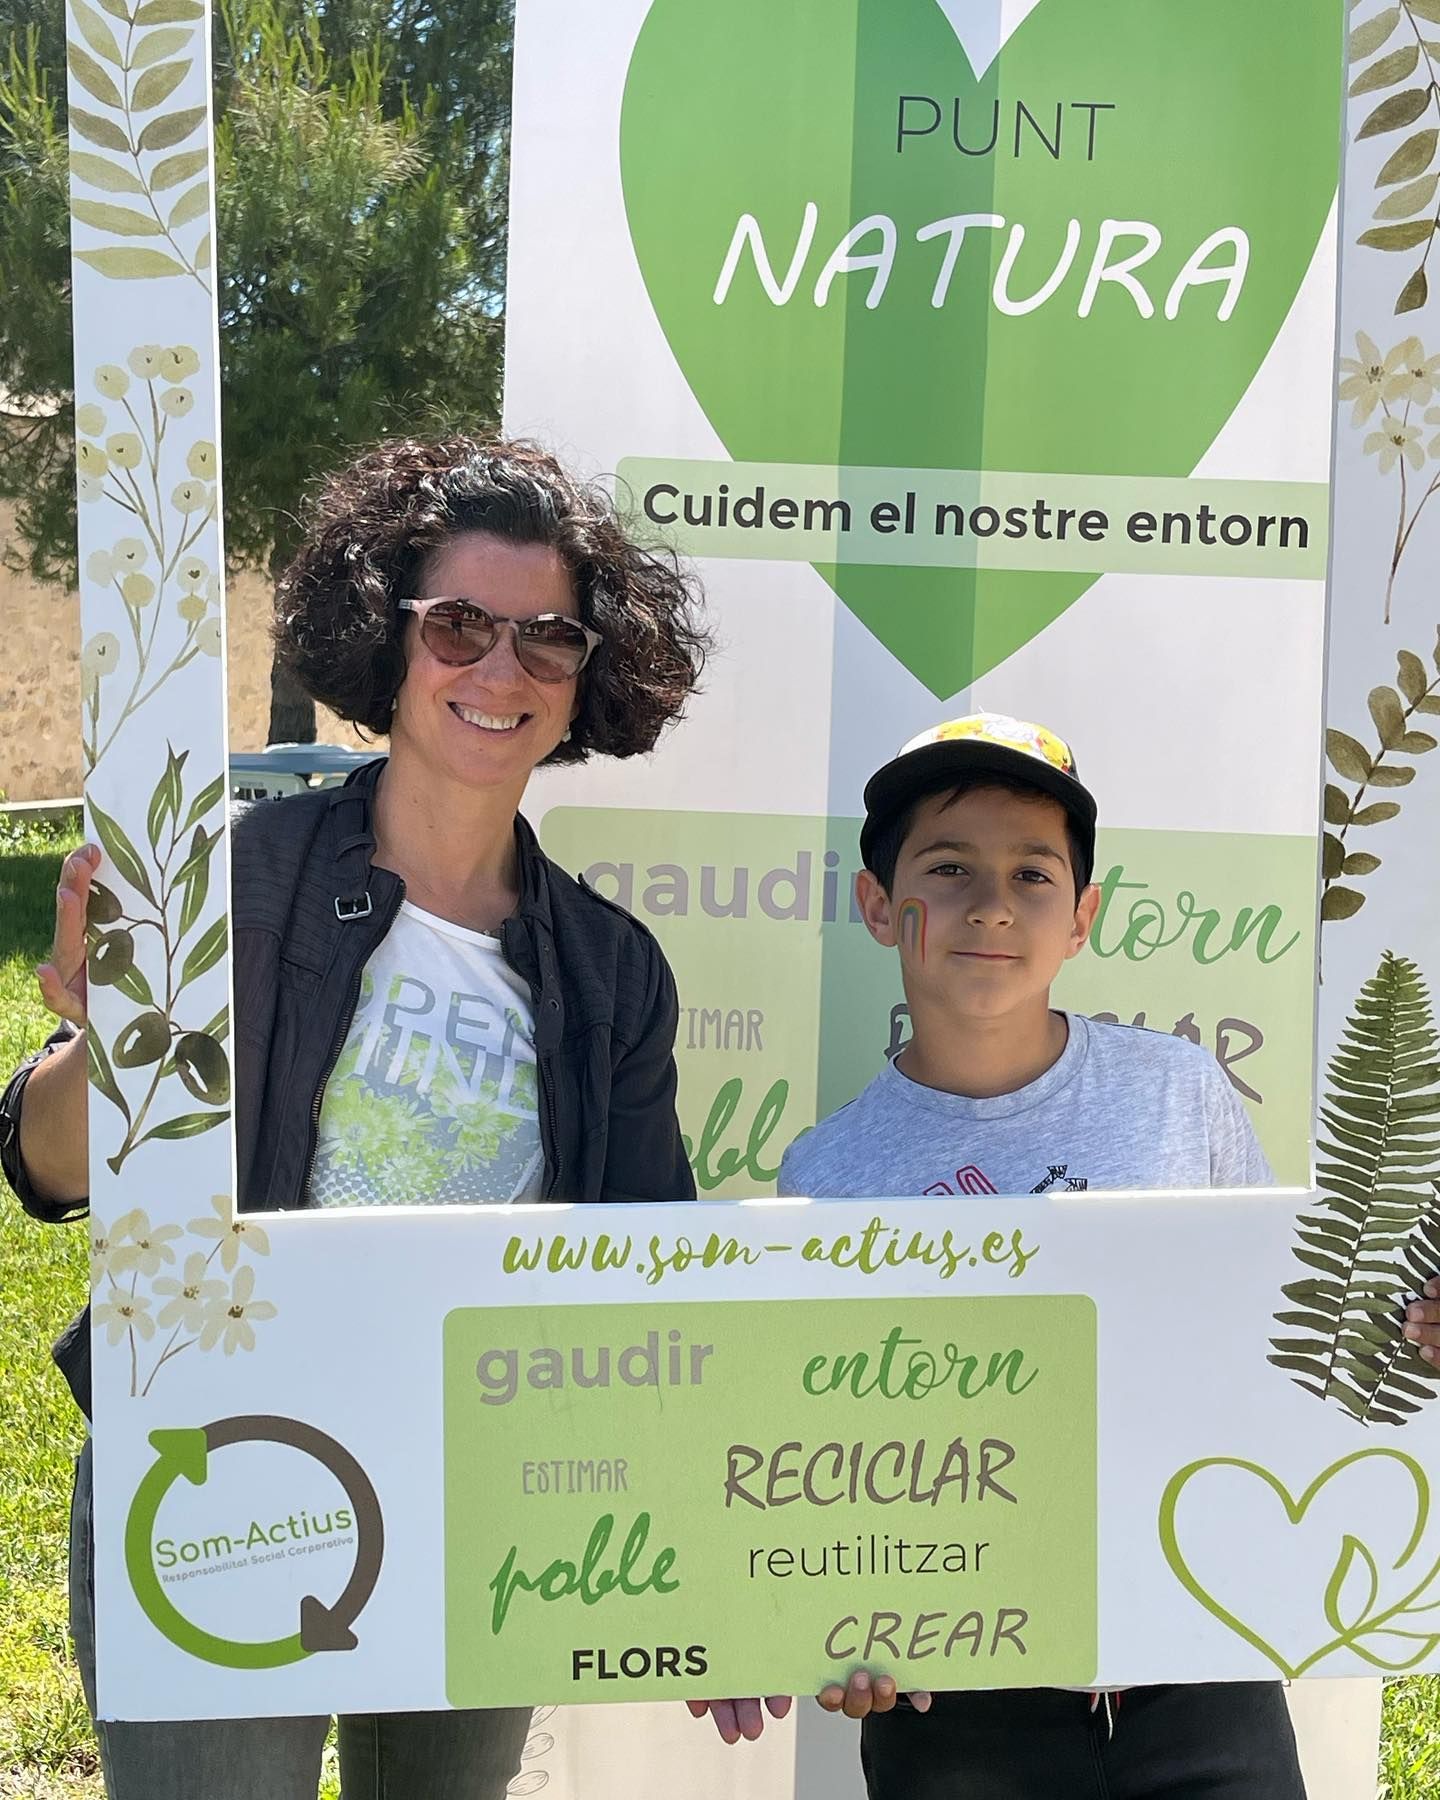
[(1223, 1741)]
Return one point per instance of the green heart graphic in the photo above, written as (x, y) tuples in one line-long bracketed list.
[(1354, 1555), (1223, 115)]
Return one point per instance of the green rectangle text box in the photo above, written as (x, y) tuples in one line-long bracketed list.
[(983, 519), (754, 1496)]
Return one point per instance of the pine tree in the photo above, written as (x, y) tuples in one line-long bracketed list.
[(361, 168)]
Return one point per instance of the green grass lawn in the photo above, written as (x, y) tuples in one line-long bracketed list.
[(46, 1750), (1410, 1744), (45, 1742)]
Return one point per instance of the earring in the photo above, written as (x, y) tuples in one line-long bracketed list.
[(565, 735)]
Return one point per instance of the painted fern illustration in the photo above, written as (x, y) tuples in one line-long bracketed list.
[(1375, 1239)]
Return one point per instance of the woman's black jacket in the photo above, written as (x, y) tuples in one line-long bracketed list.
[(309, 907)]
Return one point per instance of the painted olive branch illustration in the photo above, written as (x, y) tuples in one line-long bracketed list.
[(130, 79), (171, 887), (1393, 711), (1374, 1239), (1409, 213), (126, 467), (193, 1301)]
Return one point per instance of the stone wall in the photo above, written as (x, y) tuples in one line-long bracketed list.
[(40, 682)]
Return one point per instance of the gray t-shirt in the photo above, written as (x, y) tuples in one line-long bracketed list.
[(1122, 1108)]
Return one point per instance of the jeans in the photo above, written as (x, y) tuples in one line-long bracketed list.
[(1219, 1741), (383, 1756)]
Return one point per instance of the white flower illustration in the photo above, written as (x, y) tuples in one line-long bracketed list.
[(100, 567), (1393, 440), (137, 590), (177, 402), (125, 449), (178, 362), (100, 1247), (91, 460), (190, 496), (1365, 376), (1415, 376), (120, 1312), (101, 654), (141, 1245), (144, 361), (208, 637), (188, 1296), (201, 461), (231, 1232), (90, 419), (228, 1319), (191, 607), (131, 553), (112, 382)]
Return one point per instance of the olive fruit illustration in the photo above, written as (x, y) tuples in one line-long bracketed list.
[(143, 1040), (204, 1067), (112, 956), (103, 907)]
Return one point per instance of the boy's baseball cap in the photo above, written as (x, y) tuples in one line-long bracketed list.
[(982, 744)]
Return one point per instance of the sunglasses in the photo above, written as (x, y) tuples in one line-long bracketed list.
[(549, 646)]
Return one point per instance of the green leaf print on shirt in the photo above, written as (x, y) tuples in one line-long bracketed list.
[(384, 1140), (367, 1129), (481, 1127)]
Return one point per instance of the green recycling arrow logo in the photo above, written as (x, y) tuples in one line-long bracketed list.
[(186, 1453)]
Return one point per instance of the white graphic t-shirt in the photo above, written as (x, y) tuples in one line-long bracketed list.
[(1122, 1108), (434, 1101)]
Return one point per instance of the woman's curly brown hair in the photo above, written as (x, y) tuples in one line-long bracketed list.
[(371, 528)]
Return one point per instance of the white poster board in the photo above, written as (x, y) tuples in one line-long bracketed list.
[(1205, 761)]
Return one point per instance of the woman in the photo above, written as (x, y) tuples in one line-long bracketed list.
[(403, 942)]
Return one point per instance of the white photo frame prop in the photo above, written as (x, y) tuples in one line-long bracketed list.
[(379, 1462)]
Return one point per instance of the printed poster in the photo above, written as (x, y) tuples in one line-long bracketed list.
[(981, 356)]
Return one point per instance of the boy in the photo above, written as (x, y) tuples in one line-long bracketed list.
[(978, 848)]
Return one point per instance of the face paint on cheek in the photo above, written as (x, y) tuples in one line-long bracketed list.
[(912, 922)]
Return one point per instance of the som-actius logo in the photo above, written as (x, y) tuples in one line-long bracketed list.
[(231, 1582)]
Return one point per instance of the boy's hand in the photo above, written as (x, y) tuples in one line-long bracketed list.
[(1422, 1322), (736, 1719), (862, 1695)]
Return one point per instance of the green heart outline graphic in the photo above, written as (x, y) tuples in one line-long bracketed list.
[(1347, 1638), (749, 109)]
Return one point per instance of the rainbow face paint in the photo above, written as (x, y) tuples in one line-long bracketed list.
[(911, 923)]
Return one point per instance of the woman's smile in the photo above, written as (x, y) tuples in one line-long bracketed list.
[(499, 724)]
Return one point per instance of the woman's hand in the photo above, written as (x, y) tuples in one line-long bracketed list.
[(62, 979), (736, 1719), (54, 1120)]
